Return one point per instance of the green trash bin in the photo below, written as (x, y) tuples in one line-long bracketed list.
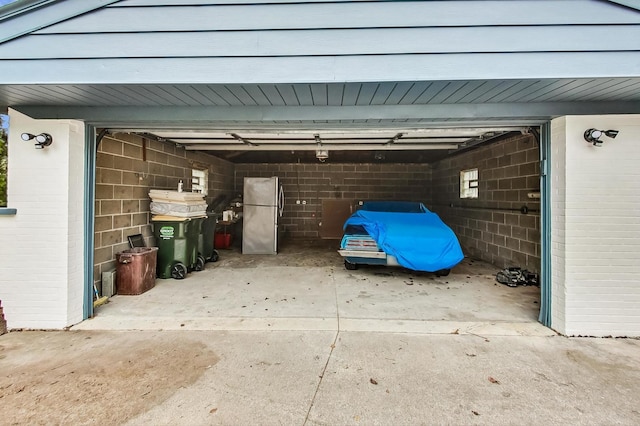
[(207, 236), (177, 241)]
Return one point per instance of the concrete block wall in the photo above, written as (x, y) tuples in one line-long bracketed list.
[(127, 167), (490, 227), (324, 181), (595, 219)]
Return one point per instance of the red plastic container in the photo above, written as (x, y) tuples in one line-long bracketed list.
[(136, 270), (222, 241)]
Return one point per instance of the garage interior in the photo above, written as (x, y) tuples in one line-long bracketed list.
[(306, 284)]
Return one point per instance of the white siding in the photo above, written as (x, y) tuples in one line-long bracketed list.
[(256, 15), (41, 255), (303, 42), (597, 251), (339, 42)]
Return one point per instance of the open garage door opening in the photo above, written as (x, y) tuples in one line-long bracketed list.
[(484, 183)]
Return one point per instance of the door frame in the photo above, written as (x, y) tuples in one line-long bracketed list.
[(545, 225), (90, 148)]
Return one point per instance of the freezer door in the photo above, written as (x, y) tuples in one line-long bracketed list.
[(260, 191)]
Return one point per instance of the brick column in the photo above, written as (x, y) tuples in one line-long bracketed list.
[(44, 287), (3, 322)]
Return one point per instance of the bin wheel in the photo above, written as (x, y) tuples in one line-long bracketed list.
[(178, 271), (199, 263), (215, 256), (350, 266), (443, 272)]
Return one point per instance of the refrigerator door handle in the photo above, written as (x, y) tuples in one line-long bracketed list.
[(280, 201)]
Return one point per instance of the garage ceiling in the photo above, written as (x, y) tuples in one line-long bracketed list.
[(356, 140), (365, 145)]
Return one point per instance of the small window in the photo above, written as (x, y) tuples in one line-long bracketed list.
[(199, 181), (469, 183)]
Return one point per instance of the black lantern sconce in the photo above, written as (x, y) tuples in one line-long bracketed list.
[(593, 135), (42, 140)]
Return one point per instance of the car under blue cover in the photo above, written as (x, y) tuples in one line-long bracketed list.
[(399, 233)]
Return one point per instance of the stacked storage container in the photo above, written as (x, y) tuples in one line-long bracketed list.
[(177, 219)]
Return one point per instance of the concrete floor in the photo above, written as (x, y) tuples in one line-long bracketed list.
[(306, 287)]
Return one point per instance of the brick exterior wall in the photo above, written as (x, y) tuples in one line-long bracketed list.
[(314, 183), (559, 225), (595, 217), (42, 274), (123, 181), (490, 227), (3, 321)]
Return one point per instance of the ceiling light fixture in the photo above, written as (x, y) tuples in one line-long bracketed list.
[(321, 154)]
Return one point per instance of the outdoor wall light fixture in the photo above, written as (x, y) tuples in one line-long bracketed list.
[(42, 140), (593, 135)]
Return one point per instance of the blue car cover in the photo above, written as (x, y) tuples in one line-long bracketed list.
[(420, 241)]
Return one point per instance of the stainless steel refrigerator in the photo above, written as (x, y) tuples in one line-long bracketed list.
[(263, 203)]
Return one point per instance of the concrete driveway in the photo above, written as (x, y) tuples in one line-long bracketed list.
[(315, 378), (296, 339)]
